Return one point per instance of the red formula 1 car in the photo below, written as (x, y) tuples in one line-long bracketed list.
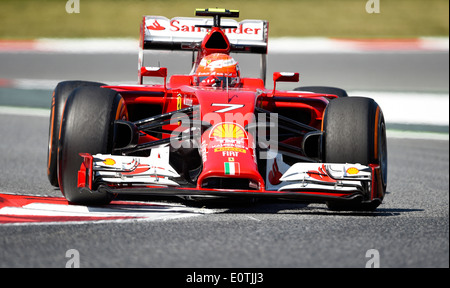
[(213, 132)]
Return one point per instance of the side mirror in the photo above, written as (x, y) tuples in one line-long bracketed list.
[(153, 72), (284, 77)]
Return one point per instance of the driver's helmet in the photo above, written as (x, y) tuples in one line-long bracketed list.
[(218, 70)]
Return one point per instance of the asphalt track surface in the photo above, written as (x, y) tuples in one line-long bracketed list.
[(410, 229)]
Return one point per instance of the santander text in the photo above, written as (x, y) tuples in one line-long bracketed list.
[(176, 26)]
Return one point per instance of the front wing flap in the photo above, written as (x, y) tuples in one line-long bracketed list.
[(153, 175), (336, 177)]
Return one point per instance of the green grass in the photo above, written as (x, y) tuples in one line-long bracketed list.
[(27, 19)]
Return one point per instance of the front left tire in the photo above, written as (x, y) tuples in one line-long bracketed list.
[(355, 132)]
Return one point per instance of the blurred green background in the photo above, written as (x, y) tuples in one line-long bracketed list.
[(28, 19)]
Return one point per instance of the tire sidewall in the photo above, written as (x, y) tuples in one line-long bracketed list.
[(86, 127), (355, 132), (59, 97)]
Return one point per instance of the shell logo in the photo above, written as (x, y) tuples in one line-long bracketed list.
[(228, 130), (109, 161), (352, 171)]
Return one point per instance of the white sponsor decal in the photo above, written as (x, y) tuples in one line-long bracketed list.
[(184, 29)]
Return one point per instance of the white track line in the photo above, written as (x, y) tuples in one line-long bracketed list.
[(398, 107), (275, 45)]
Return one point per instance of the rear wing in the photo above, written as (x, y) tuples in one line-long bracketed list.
[(185, 33), (182, 33)]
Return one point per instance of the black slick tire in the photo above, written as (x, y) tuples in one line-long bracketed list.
[(87, 127), (59, 97), (355, 132)]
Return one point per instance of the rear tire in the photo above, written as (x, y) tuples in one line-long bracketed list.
[(355, 132), (87, 127), (60, 95), (324, 90)]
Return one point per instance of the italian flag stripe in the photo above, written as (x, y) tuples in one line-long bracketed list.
[(231, 168)]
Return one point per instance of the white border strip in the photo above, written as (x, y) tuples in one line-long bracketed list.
[(411, 107), (396, 134), (329, 45), (398, 107), (391, 133), (276, 45), (24, 111)]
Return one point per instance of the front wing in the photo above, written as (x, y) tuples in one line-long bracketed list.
[(311, 182)]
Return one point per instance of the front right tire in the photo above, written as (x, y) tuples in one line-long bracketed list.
[(87, 126), (59, 98)]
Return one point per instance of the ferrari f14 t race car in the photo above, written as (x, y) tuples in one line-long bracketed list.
[(213, 132)]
